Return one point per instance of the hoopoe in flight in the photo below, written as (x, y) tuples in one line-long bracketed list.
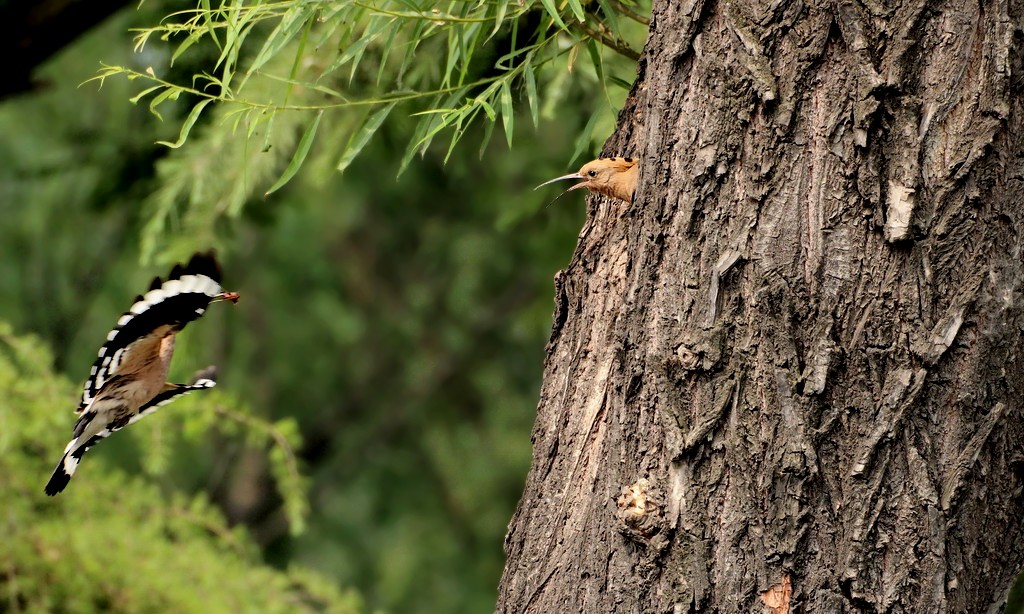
[(127, 381), (615, 177)]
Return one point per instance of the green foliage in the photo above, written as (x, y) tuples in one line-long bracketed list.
[(349, 64), (110, 542)]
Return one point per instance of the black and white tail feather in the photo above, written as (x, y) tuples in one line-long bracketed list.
[(165, 309), (76, 449)]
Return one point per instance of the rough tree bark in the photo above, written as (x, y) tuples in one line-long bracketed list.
[(786, 378)]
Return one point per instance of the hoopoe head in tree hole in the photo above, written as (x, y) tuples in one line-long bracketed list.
[(615, 177), (127, 380)]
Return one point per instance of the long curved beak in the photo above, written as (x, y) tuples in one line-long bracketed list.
[(562, 178)]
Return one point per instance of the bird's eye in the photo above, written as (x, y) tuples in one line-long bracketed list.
[(592, 173)]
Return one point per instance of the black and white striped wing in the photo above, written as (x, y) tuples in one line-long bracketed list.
[(181, 299)]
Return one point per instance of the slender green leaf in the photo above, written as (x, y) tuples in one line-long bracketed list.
[(453, 58), (325, 90), (238, 115), (515, 37), (237, 28), (188, 123), (171, 93), (460, 129), (149, 90), (577, 10), (386, 55), (507, 117), (414, 143), (354, 51), (416, 36), (432, 124), (207, 14), (626, 85), (488, 109), (293, 21), (611, 17), (471, 42), (362, 136), (437, 123), (233, 51), (531, 90), (298, 60), (268, 130), (300, 156), (488, 131), (193, 38), (549, 6), (433, 112), (595, 59), (499, 16)]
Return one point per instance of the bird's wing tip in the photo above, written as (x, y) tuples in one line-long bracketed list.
[(58, 481)]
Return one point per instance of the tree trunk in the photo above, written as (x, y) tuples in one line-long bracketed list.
[(785, 378)]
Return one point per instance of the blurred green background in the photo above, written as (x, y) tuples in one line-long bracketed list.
[(370, 435)]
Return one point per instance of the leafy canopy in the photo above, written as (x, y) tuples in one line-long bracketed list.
[(281, 73), (114, 543)]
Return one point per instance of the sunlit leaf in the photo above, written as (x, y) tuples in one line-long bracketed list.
[(172, 93), (507, 117), (486, 140), (531, 91), (207, 15), (626, 85), (268, 130), (186, 44), (294, 21), (499, 16), (149, 90), (577, 10), (300, 155), (414, 143), (549, 6), (488, 109)]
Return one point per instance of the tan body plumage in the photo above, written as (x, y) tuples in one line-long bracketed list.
[(140, 378)]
